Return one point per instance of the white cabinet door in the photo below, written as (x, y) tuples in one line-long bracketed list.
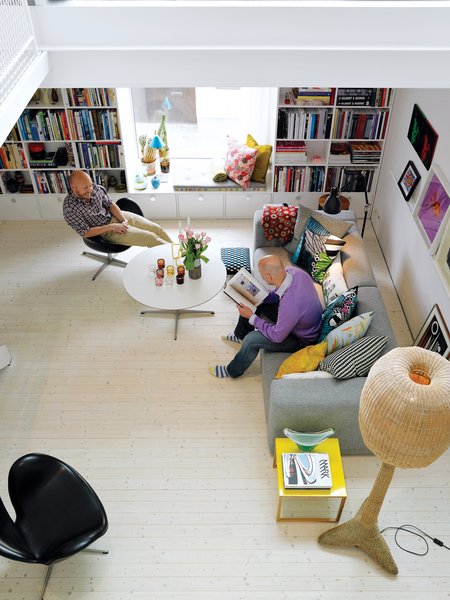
[(23, 207), (156, 206), (51, 206), (201, 205), (242, 205)]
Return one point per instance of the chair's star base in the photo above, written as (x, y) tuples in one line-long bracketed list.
[(370, 540)]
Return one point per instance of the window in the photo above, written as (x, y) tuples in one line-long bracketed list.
[(198, 120)]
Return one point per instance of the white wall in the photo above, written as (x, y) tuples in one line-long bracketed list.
[(411, 266)]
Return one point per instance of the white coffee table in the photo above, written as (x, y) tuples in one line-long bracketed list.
[(176, 299)]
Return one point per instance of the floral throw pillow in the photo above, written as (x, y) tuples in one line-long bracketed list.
[(317, 250), (240, 162), (339, 311), (349, 332)]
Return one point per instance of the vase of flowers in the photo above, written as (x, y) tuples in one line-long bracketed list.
[(193, 246)]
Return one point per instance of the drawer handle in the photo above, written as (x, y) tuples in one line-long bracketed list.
[(152, 198), (201, 198)]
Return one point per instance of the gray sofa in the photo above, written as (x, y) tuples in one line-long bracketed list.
[(316, 404)]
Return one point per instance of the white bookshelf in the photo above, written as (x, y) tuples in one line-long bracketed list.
[(315, 125)]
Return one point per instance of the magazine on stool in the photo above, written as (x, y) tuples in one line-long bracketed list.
[(243, 288), (304, 470)]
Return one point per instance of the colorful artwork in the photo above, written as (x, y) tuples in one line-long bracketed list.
[(432, 209), (422, 136), (409, 180)]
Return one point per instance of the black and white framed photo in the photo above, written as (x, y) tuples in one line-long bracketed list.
[(409, 180), (434, 334)]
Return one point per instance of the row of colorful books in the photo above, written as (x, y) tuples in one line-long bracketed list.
[(303, 123), (94, 125), (43, 125), (12, 156), (91, 96), (298, 179), (52, 182), (351, 124), (99, 155)]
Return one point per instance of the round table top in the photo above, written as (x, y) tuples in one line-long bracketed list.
[(141, 286)]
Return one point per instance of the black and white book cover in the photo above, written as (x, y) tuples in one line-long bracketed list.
[(304, 470)]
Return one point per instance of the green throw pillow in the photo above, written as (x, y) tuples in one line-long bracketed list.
[(317, 250)]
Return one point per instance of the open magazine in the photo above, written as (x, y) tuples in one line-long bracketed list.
[(303, 470), (243, 288)]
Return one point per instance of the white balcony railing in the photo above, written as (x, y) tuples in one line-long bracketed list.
[(18, 48)]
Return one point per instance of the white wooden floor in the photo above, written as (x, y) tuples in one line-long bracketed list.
[(178, 458)]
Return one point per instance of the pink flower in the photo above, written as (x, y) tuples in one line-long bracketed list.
[(198, 246), (207, 239), (181, 237), (189, 234), (203, 233)]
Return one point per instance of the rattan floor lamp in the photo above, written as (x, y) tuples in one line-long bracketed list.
[(404, 417)]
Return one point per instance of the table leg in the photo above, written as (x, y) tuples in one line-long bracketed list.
[(177, 314)]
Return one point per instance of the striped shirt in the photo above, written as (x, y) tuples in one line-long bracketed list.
[(82, 216)]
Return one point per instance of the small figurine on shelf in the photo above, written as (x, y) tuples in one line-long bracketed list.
[(54, 96), (36, 97), (287, 100), (140, 182), (142, 139), (164, 160), (155, 182)]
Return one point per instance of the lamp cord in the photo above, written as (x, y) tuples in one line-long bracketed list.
[(422, 535)]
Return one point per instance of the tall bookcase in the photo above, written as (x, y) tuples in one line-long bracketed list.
[(325, 136), (59, 131)]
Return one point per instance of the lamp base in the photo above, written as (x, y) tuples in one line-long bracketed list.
[(369, 540), (362, 531)]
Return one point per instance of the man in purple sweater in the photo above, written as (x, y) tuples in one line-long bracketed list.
[(295, 314)]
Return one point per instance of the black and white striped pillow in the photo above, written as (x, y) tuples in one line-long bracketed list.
[(354, 360)]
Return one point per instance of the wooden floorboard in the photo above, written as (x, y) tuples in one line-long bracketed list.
[(179, 459)]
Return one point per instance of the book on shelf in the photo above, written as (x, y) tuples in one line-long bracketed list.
[(243, 288), (306, 470)]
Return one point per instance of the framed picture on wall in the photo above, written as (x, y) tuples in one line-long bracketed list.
[(442, 257), (432, 208), (409, 180), (434, 334), (422, 136)]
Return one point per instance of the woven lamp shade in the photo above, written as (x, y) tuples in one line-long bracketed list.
[(404, 413)]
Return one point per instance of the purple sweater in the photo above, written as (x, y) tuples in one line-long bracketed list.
[(299, 311)]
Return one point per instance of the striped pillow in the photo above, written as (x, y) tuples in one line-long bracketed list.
[(354, 360), (317, 250)]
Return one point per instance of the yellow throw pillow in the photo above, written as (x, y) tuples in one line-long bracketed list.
[(262, 160), (306, 359)]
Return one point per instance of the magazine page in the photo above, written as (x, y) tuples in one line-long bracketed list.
[(303, 470), (248, 287)]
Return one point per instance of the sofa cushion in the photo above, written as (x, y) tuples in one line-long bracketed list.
[(240, 162), (339, 311), (335, 226), (355, 262), (348, 332), (334, 284), (305, 359), (317, 250), (355, 360), (262, 159)]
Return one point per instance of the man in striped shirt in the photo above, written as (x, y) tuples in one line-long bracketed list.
[(90, 212)]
